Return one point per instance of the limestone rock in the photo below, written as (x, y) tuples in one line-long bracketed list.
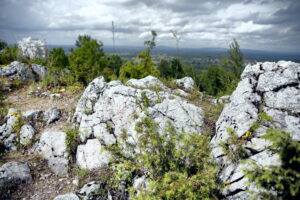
[(52, 147), (92, 190), (26, 134), (39, 70), (147, 82), (105, 110), (14, 173), (32, 48), (91, 155), (52, 115), (6, 131), (69, 196), (32, 115), (267, 87), (17, 70), (187, 83)]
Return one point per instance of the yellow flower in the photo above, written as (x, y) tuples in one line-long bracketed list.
[(62, 90)]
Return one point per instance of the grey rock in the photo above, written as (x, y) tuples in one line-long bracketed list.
[(32, 115), (269, 87), (92, 155), (6, 131), (17, 70), (139, 183), (52, 115), (52, 147), (40, 70), (147, 82), (26, 134), (14, 173), (55, 96), (69, 196), (92, 190), (187, 83)]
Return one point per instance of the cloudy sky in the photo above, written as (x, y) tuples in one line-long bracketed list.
[(256, 24)]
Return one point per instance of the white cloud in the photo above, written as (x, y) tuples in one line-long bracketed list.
[(199, 23)]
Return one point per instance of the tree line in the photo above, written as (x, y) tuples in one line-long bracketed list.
[(88, 61)]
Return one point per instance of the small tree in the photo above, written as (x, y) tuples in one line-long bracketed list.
[(236, 62), (145, 64), (87, 62), (58, 59)]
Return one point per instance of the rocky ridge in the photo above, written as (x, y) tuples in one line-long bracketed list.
[(269, 88)]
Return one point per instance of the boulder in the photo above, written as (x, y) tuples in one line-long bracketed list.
[(39, 70), (52, 147), (269, 87), (105, 110), (32, 48), (52, 115), (147, 82), (26, 134), (14, 173), (32, 115), (17, 70), (93, 190), (91, 155), (186, 83), (69, 196)]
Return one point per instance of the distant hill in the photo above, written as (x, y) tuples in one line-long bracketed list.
[(184, 53)]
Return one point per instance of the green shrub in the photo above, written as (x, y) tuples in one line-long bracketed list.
[(71, 140), (179, 164), (3, 44), (9, 54), (284, 180), (87, 61), (58, 59), (145, 99)]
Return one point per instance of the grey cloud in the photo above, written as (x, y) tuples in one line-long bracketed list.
[(195, 20)]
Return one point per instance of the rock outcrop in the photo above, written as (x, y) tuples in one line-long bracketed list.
[(269, 88), (17, 70), (105, 110), (32, 48)]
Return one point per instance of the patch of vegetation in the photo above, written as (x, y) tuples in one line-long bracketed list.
[(178, 165), (9, 54), (72, 140), (233, 147), (145, 99), (17, 126), (278, 182)]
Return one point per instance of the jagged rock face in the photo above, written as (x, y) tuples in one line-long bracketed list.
[(187, 83), (17, 70), (272, 88), (14, 173), (32, 48), (52, 147), (107, 109)]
